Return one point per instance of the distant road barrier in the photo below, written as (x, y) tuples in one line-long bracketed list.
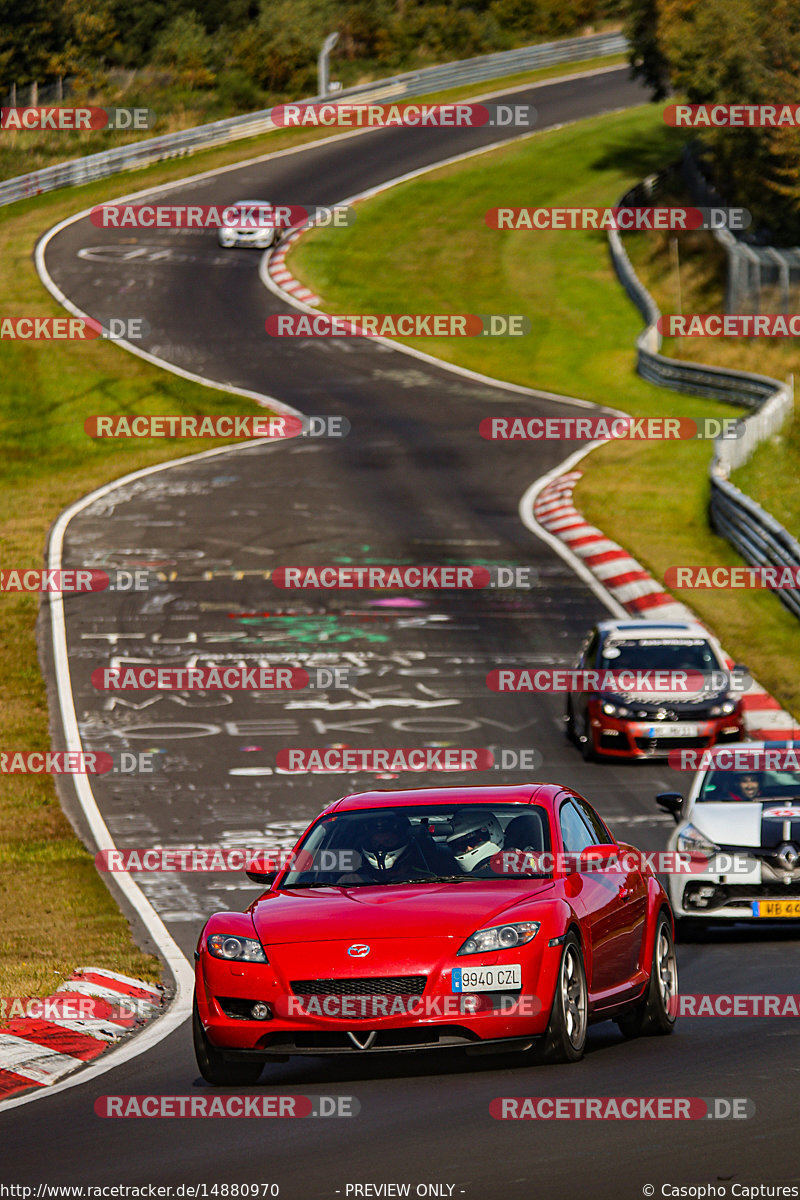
[(218, 133)]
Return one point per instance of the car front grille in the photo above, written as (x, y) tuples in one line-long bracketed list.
[(738, 895), (741, 894), (416, 1037), (370, 985)]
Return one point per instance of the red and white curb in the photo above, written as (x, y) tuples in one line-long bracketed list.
[(36, 1052), (282, 276), (637, 593)]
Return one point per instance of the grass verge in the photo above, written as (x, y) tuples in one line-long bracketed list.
[(426, 240)]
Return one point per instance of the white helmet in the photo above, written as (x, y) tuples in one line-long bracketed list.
[(477, 835), (386, 838)]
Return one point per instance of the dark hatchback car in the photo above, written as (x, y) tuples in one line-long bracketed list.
[(634, 725)]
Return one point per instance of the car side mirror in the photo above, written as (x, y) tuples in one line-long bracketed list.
[(671, 802), (598, 856), (265, 877)]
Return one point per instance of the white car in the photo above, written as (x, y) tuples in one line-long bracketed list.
[(746, 824), (250, 229)]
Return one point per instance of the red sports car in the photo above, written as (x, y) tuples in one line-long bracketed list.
[(491, 918)]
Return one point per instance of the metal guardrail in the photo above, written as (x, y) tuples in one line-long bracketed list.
[(756, 535), (756, 273), (412, 83)]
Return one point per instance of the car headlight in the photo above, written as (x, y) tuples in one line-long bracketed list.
[(235, 948), (692, 841), (500, 937), (724, 709), (615, 710)]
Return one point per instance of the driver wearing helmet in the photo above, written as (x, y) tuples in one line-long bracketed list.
[(391, 850), (477, 836), (386, 839)]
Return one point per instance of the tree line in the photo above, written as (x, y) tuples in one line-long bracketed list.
[(731, 52), (268, 48)]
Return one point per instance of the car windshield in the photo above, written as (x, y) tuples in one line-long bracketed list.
[(750, 786), (419, 844), (247, 213), (656, 654)]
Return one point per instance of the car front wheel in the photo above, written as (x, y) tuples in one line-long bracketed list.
[(565, 1037), (583, 731)]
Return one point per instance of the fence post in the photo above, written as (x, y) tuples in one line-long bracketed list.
[(783, 276)]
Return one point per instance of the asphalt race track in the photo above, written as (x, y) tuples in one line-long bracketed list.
[(412, 482)]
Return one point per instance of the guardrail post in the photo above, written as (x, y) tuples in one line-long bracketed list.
[(323, 75)]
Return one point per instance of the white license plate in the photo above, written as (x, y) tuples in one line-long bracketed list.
[(676, 730), (486, 979)]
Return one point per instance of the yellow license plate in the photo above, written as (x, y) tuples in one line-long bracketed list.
[(776, 908)]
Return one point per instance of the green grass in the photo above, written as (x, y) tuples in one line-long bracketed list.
[(55, 911), (765, 476), (430, 237), (424, 247)]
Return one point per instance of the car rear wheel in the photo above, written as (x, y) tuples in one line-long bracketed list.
[(565, 1037), (214, 1067), (656, 1014)]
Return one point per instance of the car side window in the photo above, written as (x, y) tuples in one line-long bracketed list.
[(575, 833), (593, 821)]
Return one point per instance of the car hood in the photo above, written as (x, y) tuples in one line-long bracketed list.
[(674, 700), (391, 912), (748, 823)]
